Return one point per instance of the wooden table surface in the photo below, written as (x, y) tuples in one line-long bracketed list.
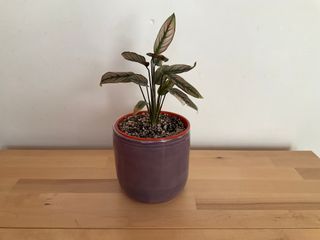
[(74, 194)]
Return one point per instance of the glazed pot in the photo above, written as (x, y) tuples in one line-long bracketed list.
[(152, 170)]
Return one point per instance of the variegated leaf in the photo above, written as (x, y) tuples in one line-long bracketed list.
[(139, 106), (165, 35), (184, 85), (134, 57), (165, 87), (123, 77), (116, 77), (157, 56), (139, 79), (183, 98), (158, 76), (177, 68)]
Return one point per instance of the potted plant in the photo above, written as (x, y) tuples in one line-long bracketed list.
[(152, 147)]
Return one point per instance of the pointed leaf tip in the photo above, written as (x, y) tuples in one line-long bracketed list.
[(134, 57), (165, 35), (183, 98), (176, 68), (123, 77)]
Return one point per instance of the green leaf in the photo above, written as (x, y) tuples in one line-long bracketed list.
[(176, 68), (139, 106), (183, 98), (123, 77), (134, 57), (184, 85), (165, 35), (165, 87)]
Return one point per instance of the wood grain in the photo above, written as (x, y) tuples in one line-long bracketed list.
[(74, 194), (309, 173), (157, 234), (67, 185)]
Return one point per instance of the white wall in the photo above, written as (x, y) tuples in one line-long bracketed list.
[(258, 69)]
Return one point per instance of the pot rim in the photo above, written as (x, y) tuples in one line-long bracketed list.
[(172, 137)]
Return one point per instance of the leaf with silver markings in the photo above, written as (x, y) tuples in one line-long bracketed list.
[(176, 68), (165, 87), (184, 85), (183, 98), (139, 79), (134, 57), (123, 77), (165, 35)]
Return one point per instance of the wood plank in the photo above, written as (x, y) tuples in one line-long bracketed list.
[(228, 159), (257, 196), (213, 219), (309, 173), (257, 173), (155, 234), (295, 159), (241, 201), (195, 173), (67, 185), (200, 186), (56, 158), (69, 210), (56, 173), (209, 204), (297, 163), (271, 154), (74, 194), (89, 202), (6, 184), (266, 158), (196, 186), (103, 158)]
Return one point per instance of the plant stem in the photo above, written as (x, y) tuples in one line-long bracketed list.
[(162, 101), (158, 102), (149, 77), (153, 95), (160, 107), (144, 98), (148, 95)]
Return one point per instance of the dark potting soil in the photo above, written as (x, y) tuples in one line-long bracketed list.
[(139, 126)]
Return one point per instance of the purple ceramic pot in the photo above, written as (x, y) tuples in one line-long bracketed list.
[(152, 170)]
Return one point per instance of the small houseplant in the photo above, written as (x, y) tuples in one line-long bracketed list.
[(152, 147)]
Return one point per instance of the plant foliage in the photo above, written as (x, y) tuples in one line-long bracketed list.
[(161, 80)]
